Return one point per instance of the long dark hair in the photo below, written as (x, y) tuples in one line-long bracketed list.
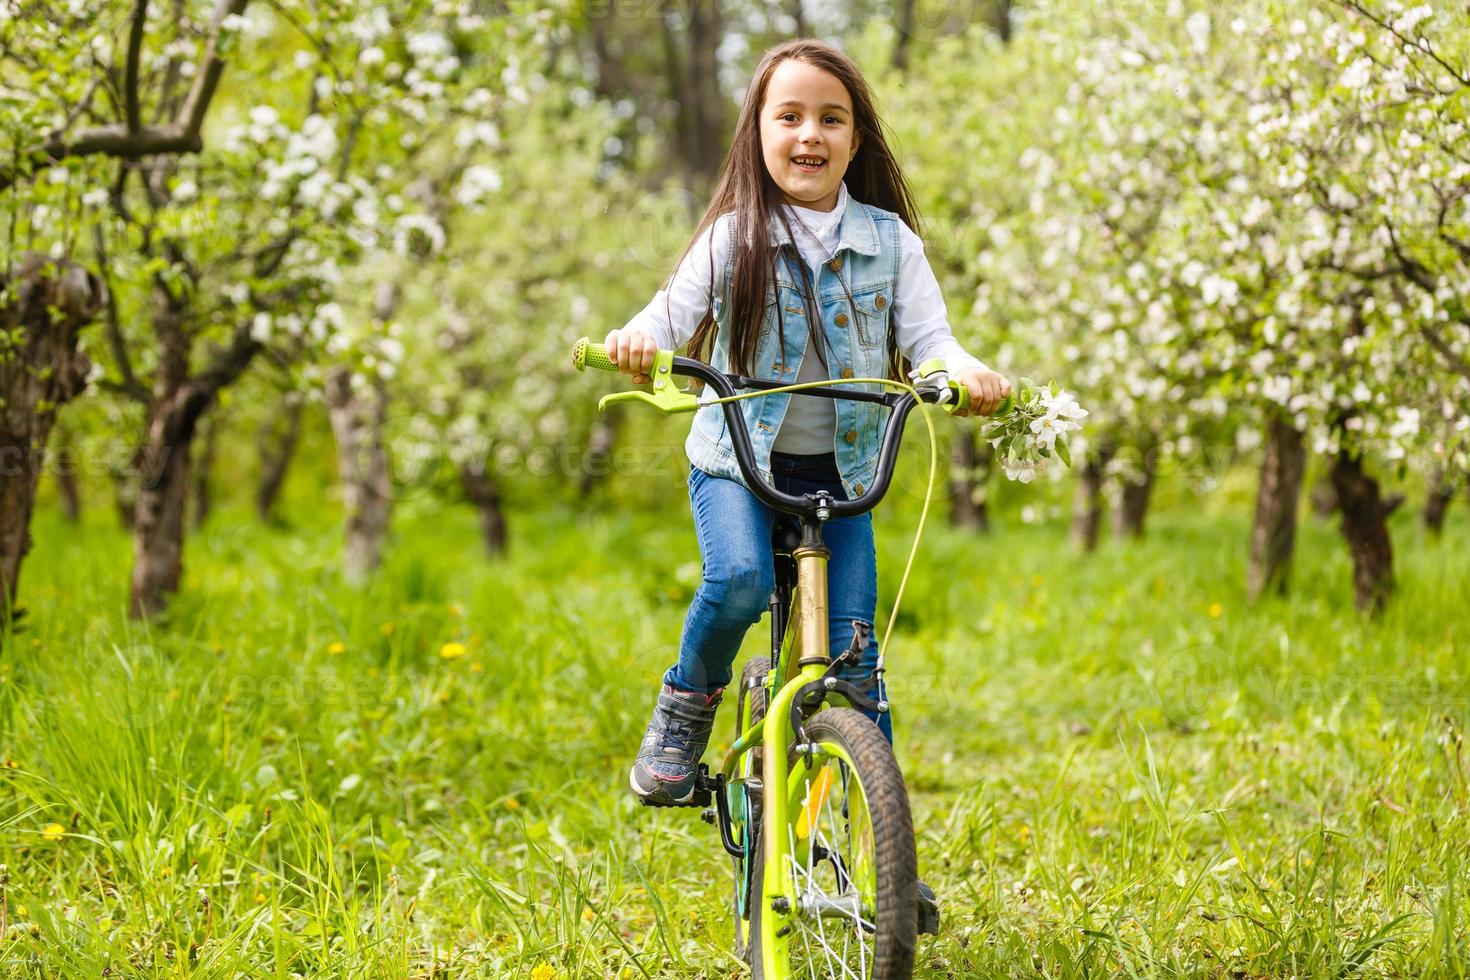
[(745, 187)]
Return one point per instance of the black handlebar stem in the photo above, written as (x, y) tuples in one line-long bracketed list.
[(805, 505)]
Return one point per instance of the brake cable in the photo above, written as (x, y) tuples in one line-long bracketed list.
[(928, 490)]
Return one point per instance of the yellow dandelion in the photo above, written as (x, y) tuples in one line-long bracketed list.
[(1215, 610), (511, 803), (455, 609), (166, 872), (22, 911), (543, 971), (477, 667), (587, 914), (1024, 833), (453, 651), (11, 763), (386, 629), (53, 832), (259, 898), (337, 648)]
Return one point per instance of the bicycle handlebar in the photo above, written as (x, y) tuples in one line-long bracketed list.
[(586, 354)]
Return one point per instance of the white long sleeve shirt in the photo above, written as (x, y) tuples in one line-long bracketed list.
[(920, 319)]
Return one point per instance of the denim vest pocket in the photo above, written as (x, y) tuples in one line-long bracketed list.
[(873, 308)]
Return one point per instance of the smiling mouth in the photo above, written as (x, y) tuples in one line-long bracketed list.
[(808, 165)]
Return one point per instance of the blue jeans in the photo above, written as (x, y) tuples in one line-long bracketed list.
[(734, 531)]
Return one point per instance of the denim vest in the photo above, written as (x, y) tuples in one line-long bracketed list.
[(866, 259)]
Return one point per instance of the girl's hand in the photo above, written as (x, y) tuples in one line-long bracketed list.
[(633, 351), (987, 390)]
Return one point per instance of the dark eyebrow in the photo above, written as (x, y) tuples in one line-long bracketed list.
[(799, 105)]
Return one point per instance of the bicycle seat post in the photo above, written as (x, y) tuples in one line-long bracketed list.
[(811, 583)]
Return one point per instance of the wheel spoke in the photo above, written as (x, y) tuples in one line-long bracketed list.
[(830, 845)]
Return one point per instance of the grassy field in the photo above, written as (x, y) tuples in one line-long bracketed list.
[(1117, 767)]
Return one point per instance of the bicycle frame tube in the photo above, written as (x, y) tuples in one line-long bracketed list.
[(805, 660)]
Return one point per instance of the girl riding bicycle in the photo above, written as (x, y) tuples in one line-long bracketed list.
[(791, 279)]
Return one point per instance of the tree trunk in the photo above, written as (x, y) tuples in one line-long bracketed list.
[(1273, 535), (47, 305), (484, 492), (601, 444), (969, 480), (1364, 525), (276, 444), (68, 491), (706, 27), (358, 415), (174, 409), (1133, 504), (1087, 505), (359, 411), (203, 499), (1441, 492), (903, 35), (125, 489)]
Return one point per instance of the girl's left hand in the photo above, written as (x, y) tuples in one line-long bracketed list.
[(987, 390)]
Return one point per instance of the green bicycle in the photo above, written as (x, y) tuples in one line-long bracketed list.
[(809, 800)]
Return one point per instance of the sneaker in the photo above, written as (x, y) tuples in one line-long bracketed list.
[(668, 760), (928, 911)]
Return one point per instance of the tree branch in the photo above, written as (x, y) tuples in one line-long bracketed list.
[(180, 136), (130, 385), (135, 52)]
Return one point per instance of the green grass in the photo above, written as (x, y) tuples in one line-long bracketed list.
[(1117, 767)]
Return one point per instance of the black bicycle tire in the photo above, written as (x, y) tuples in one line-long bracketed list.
[(895, 853)]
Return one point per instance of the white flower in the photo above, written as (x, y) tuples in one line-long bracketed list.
[(1046, 429), (1198, 29), (1277, 389), (1412, 17), (96, 197), (1219, 290), (260, 328), (1022, 470), (185, 190), (1063, 406), (264, 116), (475, 183), (1357, 74), (418, 234)]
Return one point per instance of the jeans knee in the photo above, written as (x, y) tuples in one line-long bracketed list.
[(742, 592)]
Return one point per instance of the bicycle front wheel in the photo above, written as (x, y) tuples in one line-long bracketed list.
[(852, 865)]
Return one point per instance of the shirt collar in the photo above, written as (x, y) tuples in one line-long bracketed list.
[(855, 231)]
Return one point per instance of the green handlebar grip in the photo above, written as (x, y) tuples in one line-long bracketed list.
[(961, 400), (586, 354)]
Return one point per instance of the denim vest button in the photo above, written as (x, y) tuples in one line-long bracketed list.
[(879, 301), (851, 436), (836, 264), (842, 319), (847, 372), (858, 487)]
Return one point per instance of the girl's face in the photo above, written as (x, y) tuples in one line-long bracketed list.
[(807, 114)]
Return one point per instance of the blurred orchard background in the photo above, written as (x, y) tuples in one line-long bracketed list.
[(333, 610)]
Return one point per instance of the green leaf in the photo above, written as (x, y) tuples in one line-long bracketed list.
[(1063, 453)]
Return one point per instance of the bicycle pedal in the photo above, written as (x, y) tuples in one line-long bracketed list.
[(700, 799), (705, 786)]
